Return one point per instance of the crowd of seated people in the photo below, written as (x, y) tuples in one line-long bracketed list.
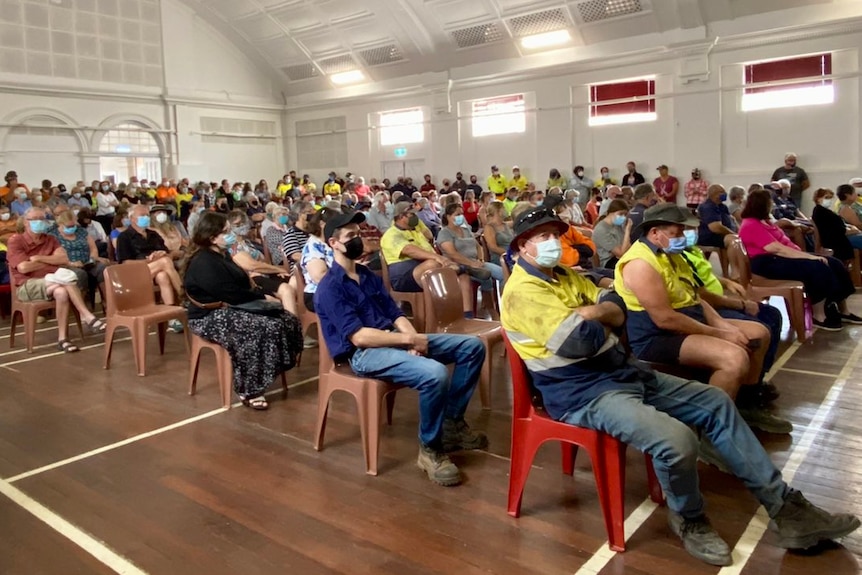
[(619, 265)]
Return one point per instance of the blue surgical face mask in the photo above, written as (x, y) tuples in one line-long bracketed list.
[(143, 221), (38, 226), (548, 252), (229, 239), (460, 220), (241, 230), (282, 220), (540, 202), (69, 230), (690, 238), (619, 220), (126, 222), (675, 245), (722, 198)]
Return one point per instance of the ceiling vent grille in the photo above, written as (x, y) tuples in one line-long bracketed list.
[(595, 10), (381, 55), (300, 72), (477, 35), (338, 64), (539, 22)]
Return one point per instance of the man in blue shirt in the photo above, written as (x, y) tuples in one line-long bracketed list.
[(715, 220), (364, 327)]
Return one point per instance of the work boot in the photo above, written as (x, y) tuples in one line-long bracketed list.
[(761, 418), (438, 466), (700, 539), (799, 524), (458, 436)]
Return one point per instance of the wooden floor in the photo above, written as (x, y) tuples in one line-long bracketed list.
[(104, 471)]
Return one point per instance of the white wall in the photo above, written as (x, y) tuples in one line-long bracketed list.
[(699, 124), (199, 72)]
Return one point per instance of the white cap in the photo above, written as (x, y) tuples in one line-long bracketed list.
[(782, 183), (516, 168), (855, 182)]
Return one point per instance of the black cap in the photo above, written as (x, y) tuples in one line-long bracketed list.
[(551, 201), (663, 214), (11, 175), (532, 219), (340, 220)]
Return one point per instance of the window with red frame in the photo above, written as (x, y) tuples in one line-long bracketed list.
[(621, 102), (789, 82)]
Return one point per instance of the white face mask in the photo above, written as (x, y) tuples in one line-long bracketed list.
[(161, 217), (828, 202), (5, 217)]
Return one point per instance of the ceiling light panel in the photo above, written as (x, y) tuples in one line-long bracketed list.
[(300, 72), (348, 77), (539, 22), (477, 35), (596, 10), (381, 55), (337, 64)]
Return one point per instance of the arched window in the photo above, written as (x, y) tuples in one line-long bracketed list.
[(130, 150)]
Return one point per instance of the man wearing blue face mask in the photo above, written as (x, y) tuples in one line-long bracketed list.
[(139, 242), (564, 328), (715, 219), (669, 323)]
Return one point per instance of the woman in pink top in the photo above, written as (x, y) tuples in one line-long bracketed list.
[(774, 256)]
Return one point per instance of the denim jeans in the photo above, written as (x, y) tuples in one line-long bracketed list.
[(439, 397), (657, 422)]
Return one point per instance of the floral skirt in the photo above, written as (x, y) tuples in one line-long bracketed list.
[(260, 347)]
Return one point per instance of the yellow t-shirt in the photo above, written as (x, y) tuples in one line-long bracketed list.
[(520, 182), (331, 188), (497, 185), (395, 240), (675, 272)]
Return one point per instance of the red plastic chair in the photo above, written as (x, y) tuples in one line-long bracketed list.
[(531, 427)]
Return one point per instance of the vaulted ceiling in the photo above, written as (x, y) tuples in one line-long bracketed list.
[(304, 42)]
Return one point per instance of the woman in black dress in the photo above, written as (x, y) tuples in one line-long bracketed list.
[(260, 346)]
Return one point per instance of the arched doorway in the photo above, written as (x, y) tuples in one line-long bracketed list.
[(128, 150)]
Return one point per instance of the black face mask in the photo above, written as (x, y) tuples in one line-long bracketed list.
[(412, 221), (353, 248)]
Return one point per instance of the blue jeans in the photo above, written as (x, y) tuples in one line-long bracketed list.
[(856, 241), (439, 397), (657, 422)]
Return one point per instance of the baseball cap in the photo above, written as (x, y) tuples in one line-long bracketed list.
[(662, 167), (855, 182), (402, 208), (340, 220)]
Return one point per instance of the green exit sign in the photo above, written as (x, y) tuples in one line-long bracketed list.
[(401, 152)]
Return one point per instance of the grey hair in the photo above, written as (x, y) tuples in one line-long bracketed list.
[(735, 192)]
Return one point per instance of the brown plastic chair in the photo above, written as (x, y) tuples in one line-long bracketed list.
[(132, 304), (369, 395), (307, 318), (224, 368), (415, 299), (722, 256), (29, 310), (760, 288), (853, 268), (443, 307)]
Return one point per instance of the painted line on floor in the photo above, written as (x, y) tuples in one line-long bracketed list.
[(639, 516), (807, 372), (603, 556), (21, 335), (113, 446), (139, 437), (43, 356), (10, 368), (757, 526), (98, 549)]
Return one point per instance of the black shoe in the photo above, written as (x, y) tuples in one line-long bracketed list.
[(768, 391), (829, 324), (851, 318), (801, 525), (700, 539), (458, 436)]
